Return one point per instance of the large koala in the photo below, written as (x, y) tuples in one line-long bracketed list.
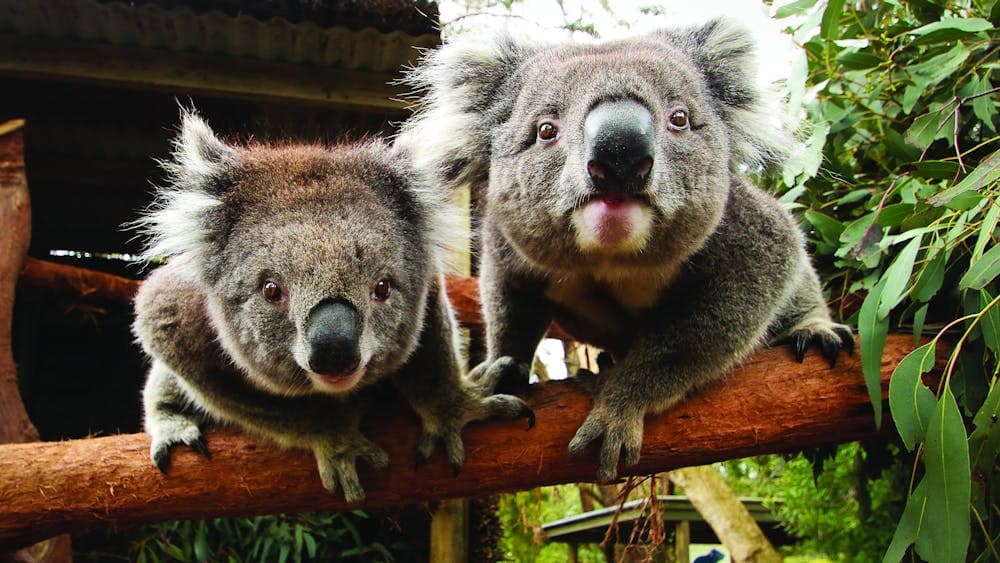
[(299, 276), (611, 183)]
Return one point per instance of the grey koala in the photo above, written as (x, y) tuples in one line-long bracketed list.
[(299, 276), (611, 182)]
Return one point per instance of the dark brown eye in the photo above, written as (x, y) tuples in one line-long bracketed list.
[(679, 119), (382, 290), (547, 131), (272, 291)]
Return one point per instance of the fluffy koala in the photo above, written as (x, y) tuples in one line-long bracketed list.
[(610, 179), (298, 277)]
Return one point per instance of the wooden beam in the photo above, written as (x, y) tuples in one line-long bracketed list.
[(192, 73), (771, 404)]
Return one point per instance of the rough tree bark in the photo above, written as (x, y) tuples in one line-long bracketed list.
[(727, 516), (15, 235), (771, 404)]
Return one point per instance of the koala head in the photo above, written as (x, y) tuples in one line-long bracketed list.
[(315, 262), (617, 153)]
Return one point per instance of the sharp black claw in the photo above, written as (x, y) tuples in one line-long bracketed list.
[(830, 351), (420, 461), (200, 446), (456, 468), (530, 415), (846, 340), (163, 464), (800, 343)]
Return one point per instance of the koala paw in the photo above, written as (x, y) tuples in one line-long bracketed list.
[(337, 464), (171, 431), (503, 375), (622, 439), (447, 427), (830, 336)]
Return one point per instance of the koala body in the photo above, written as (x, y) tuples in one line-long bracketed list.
[(610, 180), (299, 276)]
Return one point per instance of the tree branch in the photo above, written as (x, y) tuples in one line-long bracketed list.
[(771, 404)]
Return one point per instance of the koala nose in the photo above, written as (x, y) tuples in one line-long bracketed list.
[(619, 141), (332, 331)]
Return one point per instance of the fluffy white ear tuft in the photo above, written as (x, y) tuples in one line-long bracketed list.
[(183, 216)]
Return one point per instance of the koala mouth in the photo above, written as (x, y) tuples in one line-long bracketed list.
[(613, 221), (337, 383)]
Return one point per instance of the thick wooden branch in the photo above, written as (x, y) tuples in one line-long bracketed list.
[(771, 404)]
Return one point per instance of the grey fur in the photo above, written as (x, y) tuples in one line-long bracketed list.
[(326, 224), (711, 267)]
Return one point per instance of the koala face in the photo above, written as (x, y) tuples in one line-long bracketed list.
[(617, 155), (315, 262), (615, 151)]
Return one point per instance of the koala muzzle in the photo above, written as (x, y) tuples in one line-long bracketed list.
[(333, 332), (619, 147)]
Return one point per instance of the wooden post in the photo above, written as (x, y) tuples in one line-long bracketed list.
[(682, 542), (450, 532), (15, 235)]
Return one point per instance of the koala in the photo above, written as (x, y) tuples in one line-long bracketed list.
[(298, 277), (611, 180)]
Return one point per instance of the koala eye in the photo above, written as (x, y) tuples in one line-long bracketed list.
[(679, 120), (547, 131), (382, 290), (271, 291)]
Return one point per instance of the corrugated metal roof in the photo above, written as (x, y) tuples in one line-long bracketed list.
[(182, 29)]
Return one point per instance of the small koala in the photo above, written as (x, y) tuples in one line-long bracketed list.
[(611, 181), (298, 277)]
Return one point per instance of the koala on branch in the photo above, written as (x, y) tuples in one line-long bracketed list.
[(614, 202), (299, 277)]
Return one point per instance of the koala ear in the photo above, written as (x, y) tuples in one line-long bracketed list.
[(724, 52), (463, 85), (186, 213)]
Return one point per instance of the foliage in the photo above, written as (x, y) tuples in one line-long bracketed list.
[(899, 193), (522, 515), (846, 511), (292, 538)]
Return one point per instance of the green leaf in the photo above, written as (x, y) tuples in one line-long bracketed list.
[(929, 127), (310, 545), (910, 524), (986, 230), (985, 174), (893, 215), (829, 27), (919, 317), (201, 548), (983, 106), (990, 321), (982, 271), (930, 72), (931, 277), (896, 277), (854, 59), (872, 332), (946, 459), (949, 29), (910, 401), (936, 169), (984, 443), (798, 7), (828, 227)]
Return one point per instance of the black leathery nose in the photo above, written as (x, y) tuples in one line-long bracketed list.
[(333, 332), (620, 143)]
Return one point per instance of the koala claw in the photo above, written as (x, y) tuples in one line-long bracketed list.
[(504, 374), (831, 338), (337, 465), (622, 440), (188, 434)]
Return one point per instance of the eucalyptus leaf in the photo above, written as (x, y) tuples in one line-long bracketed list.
[(986, 230), (829, 26), (910, 524), (910, 401), (989, 322), (872, 332), (946, 461), (984, 442), (982, 271), (986, 173), (896, 278), (931, 277)]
